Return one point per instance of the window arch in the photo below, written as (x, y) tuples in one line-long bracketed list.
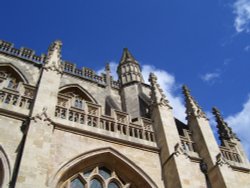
[(10, 78), (74, 96), (95, 177), (14, 89), (107, 165), (4, 169)]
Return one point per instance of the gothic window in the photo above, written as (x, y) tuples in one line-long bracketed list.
[(12, 84), (95, 183), (78, 103), (76, 183), (113, 185), (98, 177)]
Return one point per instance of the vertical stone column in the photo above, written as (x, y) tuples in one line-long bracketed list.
[(219, 172), (35, 163), (175, 163), (228, 137)]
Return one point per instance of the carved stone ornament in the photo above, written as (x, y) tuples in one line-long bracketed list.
[(54, 67), (53, 59), (157, 96), (43, 116), (220, 160), (193, 108), (178, 150), (225, 132)]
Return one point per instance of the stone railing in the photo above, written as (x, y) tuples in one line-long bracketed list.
[(187, 144), (230, 155), (140, 131), (24, 53), (29, 54), (88, 74), (13, 98)]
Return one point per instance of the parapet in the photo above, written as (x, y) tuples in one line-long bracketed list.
[(70, 68)]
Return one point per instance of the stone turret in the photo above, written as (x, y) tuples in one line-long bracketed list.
[(129, 70), (130, 78)]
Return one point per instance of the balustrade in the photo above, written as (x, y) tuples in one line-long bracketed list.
[(230, 155), (15, 99), (105, 122), (187, 144)]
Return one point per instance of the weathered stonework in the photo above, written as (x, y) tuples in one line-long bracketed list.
[(65, 127)]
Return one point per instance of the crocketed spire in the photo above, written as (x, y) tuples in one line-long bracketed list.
[(129, 70), (157, 95), (127, 57), (192, 107), (53, 59), (224, 131)]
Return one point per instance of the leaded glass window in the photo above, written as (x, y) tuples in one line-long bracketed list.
[(76, 183), (97, 177), (95, 183), (113, 185)]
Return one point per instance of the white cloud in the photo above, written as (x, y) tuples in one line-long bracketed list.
[(242, 19), (247, 48), (240, 123), (210, 77)]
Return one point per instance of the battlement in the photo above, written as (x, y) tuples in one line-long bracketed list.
[(24, 53), (88, 74), (70, 68)]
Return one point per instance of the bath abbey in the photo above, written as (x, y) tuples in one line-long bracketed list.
[(62, 126)]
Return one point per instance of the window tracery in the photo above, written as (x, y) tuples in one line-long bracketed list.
[(98, 177), (13, 90)]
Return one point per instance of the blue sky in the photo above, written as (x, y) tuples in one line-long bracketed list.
[(204, 44)]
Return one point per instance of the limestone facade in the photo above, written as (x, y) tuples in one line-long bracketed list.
[(65, 127)]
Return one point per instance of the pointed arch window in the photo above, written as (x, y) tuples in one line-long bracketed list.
[(14, 89), (76, 183), (97, 177), (113, 185), (95, 183)]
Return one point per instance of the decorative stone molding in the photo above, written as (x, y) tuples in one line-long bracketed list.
[(53, 60), (224, 131), (43, 116), (220, 160), (157, 96), (179, 150), (192, 107)]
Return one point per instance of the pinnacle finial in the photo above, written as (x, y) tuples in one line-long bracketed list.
[(224, 131), (127, 57), (157, 95), (186, 90), (53, 60), (107, 67), (192, 107), (152, 77)]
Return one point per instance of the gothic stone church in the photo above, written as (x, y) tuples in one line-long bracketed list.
[(65, 127)]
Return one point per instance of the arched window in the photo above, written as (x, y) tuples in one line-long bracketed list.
[(97, 177), (105, 168), (113, 185), (95, 183)]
